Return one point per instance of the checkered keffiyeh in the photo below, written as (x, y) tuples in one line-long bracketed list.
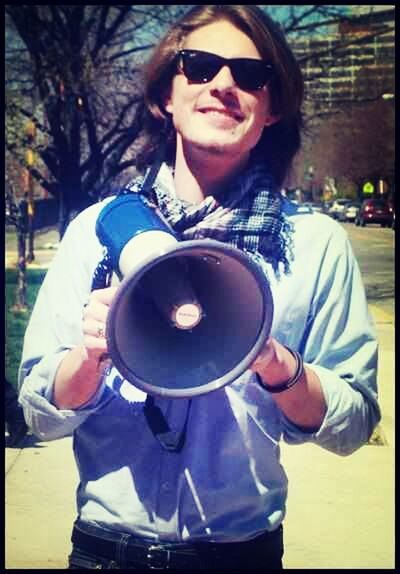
[(247, 215)]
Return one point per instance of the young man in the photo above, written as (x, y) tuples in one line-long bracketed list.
[(224, 91)]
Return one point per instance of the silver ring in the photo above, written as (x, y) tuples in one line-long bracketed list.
[(100, 332)]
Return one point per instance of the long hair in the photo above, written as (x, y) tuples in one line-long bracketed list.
[(278, 143)]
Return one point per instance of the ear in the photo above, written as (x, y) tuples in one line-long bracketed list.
[(167, 101), (271, 120)]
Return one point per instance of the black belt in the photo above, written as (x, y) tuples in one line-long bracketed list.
[(153, 555)]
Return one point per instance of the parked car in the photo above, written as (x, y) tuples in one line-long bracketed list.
[(337, 207), (350, 212), (391, 207), (313, 206), (318, 207), (375, 211)]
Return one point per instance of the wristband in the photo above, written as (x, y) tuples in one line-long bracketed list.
[(289, 383)]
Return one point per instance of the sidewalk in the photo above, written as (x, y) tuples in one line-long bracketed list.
[(45, 247), (340, 510)]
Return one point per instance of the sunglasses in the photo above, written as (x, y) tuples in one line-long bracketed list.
[(201, 67)]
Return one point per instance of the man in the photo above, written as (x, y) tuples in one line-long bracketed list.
[(223, 93)]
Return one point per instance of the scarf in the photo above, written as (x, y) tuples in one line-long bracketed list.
[(247, 214)]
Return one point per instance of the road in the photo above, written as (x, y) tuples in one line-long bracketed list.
[(374, 249)]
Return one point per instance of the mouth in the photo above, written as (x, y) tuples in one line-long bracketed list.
[(222, 113)]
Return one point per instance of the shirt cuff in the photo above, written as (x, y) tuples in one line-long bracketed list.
[(45, 372), (340, 399)]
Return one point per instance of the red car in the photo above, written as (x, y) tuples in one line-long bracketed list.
[(375, 211)]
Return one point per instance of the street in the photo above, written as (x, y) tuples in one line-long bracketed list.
[(374, 249)]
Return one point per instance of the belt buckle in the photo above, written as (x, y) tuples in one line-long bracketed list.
[(157, 557)]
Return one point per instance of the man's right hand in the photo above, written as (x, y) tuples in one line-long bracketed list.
[(78, 375), (94, 317)]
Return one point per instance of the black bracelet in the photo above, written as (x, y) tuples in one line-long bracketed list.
[(291, 382)]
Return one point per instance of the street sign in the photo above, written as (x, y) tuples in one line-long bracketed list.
[(368, 187)]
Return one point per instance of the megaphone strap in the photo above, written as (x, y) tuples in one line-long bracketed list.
[(154, 169), (102, 274), (170, 440)]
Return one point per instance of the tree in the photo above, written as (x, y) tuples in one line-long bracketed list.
[(16, 215), (75, 72)]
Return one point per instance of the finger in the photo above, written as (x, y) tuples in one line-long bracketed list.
[(264, 357), (95, 343), (104, 296), (94, 328), (95, 311), (98, 303)]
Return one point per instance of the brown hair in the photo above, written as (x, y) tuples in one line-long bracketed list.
[(279, 142)]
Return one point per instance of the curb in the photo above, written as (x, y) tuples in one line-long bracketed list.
[(11, 261), (379, 315)]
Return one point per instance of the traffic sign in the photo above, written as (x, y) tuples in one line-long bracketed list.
[(368, 187)]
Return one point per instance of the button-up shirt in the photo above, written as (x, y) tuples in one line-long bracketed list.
[(227, 483)]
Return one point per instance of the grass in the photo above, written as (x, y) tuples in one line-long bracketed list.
[(16, 322)]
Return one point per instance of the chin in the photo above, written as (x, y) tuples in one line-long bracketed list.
[(219, 147)]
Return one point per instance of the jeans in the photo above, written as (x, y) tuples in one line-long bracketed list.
[(260, 554)]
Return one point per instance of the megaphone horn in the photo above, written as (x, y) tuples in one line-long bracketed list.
[(189, 316)]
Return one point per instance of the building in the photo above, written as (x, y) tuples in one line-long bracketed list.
[(349, 105), (353, 63)]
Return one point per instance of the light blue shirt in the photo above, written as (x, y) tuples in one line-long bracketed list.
[(227, 483)]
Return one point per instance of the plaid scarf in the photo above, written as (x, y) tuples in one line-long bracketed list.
[(247, 215)]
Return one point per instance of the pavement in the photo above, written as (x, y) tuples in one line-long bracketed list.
[(340, 512)]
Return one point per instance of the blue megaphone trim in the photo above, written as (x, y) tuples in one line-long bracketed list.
[(122, 219)]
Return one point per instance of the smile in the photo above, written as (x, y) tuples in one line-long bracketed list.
[(222, 112)]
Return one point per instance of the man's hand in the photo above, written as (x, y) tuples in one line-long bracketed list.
[(304, 403), (78, 375), (274, 364), (94, 316), (264, 358)]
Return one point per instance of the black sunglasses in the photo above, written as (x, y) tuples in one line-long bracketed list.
[(201, 67)]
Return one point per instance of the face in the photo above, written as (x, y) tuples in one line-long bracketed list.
[(218, 117)]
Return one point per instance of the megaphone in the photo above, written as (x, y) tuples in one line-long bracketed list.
[(189, 316)]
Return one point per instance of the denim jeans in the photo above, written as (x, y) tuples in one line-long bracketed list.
[(81, 559)]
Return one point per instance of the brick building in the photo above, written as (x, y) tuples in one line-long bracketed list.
[(349, 104), (355, 63)]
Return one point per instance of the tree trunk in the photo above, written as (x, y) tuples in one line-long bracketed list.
[(72, 199), (31, 238), (20, 295), (31, 244), (62, 215)]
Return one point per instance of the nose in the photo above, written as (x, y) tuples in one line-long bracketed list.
[(223, 81)]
